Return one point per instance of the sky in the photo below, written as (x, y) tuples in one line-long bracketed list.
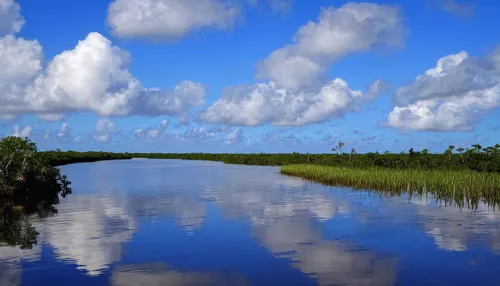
[(250, 75)]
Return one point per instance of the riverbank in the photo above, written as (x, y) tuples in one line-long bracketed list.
[(477, 158), (481, 160), (464, 188), (464, 178), (59, 158)]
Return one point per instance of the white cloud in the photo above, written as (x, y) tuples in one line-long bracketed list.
[(11, 20), (297, 93), (65, 131), (235, 136), (64, 85), (169, 19), (264, 103), (24, 132), (104, 131), (451, 96), (377, 88), (353, 27), (196, 133), (152, 133), (21, 60), (139, 133)]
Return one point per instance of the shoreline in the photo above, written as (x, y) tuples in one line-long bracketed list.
[(463, 188)]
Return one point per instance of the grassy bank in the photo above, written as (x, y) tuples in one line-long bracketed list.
[(464, 188)]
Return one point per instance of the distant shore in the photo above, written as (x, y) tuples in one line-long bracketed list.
[(467, 177)]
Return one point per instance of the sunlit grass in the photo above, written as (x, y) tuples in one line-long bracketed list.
[(463, 188)]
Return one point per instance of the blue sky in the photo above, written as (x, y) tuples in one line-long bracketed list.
[(250, 76)]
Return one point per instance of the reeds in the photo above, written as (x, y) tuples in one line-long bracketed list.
[(462, 188)]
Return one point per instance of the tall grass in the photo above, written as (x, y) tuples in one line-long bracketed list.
[(462, 188)]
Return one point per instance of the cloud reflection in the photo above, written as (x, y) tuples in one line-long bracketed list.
[(89, 230), (159, 274), (283, 216), (454, 229), (10, 274)]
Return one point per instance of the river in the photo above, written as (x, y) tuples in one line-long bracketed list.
[(170, 222)]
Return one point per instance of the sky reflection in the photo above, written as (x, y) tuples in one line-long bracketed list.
[(193, 223)]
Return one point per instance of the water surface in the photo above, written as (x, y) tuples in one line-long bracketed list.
[(169, 222)]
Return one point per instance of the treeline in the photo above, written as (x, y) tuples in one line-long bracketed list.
[(59, 158), (477, 158)]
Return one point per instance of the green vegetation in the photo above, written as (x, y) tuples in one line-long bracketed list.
[(464, 188), (29, 185), (460, 175), (59, 158), (475, 158)]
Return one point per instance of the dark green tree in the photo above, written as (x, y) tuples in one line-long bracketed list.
[(28, 185)]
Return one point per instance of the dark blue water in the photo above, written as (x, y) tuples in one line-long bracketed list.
[(167, 222)]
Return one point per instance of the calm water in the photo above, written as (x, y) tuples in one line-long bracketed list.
[(168, 222)]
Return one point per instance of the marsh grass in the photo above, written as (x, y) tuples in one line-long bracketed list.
[(461, 188)]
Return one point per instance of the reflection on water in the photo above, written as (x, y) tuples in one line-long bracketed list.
[(453, 229), (159, 274), (154, 222), (89, 231)]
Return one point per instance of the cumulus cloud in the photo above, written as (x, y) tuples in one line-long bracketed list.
[(377, 88), (263, 103), (169, 19), (452, 96), (92, 77), (21, 60), (64, 85), (22, 132), (235, 136), (351, 28), (11, 20), (65, 131), (192, 133), (196, 133), (104, 131), (296, 93), (152, 133)]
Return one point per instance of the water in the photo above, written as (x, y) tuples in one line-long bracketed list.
[(168, 222)]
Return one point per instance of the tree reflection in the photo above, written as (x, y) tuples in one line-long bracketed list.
[(28, 186), (15, 226)]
